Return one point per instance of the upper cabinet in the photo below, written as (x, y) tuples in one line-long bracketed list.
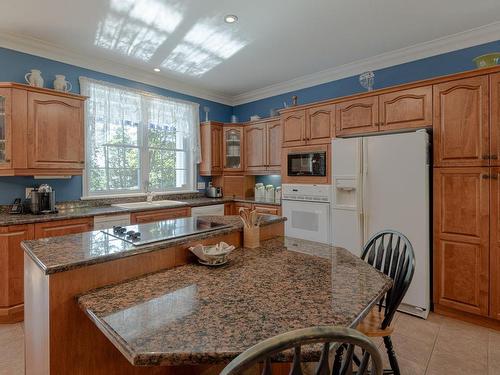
[(5, 129), (293, 128), (461, 123), (232, 148), (55, 132), (406, 109), (273, 140), (357, 116), (310, 126), (41, 131), (263, 147), (211, 149), (255, 148), (495, 119)]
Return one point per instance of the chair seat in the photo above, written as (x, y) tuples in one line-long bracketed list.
[(371, 324)]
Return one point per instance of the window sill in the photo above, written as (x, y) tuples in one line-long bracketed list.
[(136, 195)]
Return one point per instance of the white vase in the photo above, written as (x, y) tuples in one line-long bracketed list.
[(60, 83), (34, 78)]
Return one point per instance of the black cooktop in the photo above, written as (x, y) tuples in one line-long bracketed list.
[(142, 234)]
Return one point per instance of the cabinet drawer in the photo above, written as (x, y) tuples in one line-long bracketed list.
[(268, 210), (238, 205), (159, 215), (63, 227)]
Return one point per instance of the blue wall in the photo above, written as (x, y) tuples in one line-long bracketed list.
[(14, 65), (448, 63)]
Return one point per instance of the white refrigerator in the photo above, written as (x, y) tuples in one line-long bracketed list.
[(382, 182)]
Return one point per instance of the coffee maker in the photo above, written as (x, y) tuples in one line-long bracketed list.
[(43, 200)]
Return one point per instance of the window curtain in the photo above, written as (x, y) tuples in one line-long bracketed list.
[(136, 112)]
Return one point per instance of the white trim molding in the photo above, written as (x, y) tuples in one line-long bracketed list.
[(51, 51), (450, 43), (465, 39)]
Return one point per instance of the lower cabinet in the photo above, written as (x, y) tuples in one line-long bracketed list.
[(461, 238), (267, 209), (11, 271), (260, 208), (495, 243), (63, 227), (158, 215)]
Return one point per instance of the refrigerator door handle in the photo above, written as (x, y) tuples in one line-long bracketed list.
[(364, 223)]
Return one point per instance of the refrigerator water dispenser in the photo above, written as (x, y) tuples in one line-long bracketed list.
[(345, 192)]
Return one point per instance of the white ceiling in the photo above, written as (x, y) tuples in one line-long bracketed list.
[(273, 41)]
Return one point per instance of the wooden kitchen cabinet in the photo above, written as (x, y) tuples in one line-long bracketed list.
[(5, 128), (158, 215), (263, 147), (357, 116), (320, 124), (211, 149), (495, 120), (41, 131), (293, 126), (308, 126), (233, 148), (55, 132), (273, 129), (461, 122), (63, 227), (256, 148), (238, 205), (495, 243), (406, 109), (461, 238), (11, 271), (267, 209), (236, 186)]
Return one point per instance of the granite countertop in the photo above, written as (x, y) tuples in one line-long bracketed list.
[(252, 200), (58, 254), (81, 211), (193, 314)]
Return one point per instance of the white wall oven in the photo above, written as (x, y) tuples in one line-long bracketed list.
[(307, 209)]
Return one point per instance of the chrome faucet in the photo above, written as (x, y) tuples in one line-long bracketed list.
[(149, 193)]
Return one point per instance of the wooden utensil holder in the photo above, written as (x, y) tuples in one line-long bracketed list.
[(251, 237)]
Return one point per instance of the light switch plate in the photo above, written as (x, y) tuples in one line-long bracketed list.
[(28, 192), (201, 185)]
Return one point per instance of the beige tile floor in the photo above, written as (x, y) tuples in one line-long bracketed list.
[(438, 345)]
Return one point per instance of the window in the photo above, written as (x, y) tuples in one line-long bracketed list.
[(138, 142)]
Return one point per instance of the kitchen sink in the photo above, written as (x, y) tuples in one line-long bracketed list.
[(153, 204)]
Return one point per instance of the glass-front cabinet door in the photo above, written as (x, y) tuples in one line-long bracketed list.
[(5, 146), (233, 149)]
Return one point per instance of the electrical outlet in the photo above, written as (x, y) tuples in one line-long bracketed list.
[(201, 185), (28, 192)]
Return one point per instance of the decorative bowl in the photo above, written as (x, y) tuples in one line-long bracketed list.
[(489, 59), (212, 255)]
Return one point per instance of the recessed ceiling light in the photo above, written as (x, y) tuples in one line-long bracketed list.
[(231, 18), (156, 69)]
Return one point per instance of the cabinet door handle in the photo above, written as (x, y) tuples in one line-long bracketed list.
[(494, 177), (494, 157), (485, 176), (486, 157), (7, 160)]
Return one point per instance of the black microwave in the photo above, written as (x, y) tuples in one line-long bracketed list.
[(307, 164)]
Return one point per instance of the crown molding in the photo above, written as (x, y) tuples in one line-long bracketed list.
[(51, 51), (465, 39)]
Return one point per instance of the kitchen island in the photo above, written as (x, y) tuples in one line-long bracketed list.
[(194, 315), (59, 338)]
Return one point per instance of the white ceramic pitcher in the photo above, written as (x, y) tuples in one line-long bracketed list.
[(60, 83), (34, 78)]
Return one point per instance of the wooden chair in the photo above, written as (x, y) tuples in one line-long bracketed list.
[(391, 253), (267, 350)]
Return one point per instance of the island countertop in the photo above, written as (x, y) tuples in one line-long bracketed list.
[(192, 315), (58, 254)]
